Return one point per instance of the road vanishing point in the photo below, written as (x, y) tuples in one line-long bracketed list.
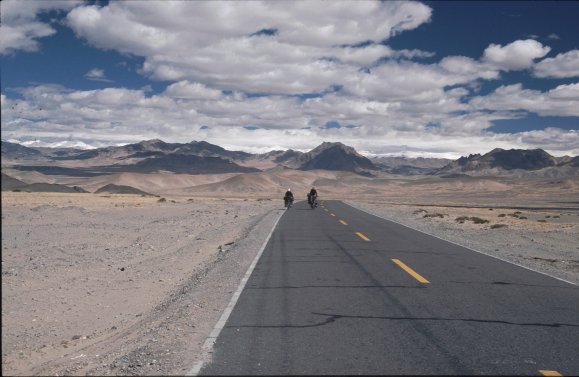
[(337, 291)]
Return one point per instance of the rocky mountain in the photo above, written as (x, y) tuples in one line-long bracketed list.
[(10, 183), (121, 189), (201, 157), (409, 165), (154, 148), (13, 151), (501, 160), (335, 156)]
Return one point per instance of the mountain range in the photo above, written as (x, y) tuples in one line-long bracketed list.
[(200, 157)]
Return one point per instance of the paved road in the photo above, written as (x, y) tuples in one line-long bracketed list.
[(390, 300)]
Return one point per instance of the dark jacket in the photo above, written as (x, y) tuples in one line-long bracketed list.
[(289, 195)]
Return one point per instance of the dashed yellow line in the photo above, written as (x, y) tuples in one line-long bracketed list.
[(549, 372), (362, 236), (325, 209), (413, 273), (331, 214), (343, 222)]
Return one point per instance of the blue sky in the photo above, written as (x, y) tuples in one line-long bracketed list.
[(440, 79)]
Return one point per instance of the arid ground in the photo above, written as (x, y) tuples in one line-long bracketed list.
[(103, 284)]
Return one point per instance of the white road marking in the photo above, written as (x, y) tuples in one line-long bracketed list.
[(210, 341)]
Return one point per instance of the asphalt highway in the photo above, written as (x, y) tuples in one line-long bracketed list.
[(338, 291)]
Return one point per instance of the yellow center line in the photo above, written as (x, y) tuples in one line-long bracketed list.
[(325, 210), (343, 222), (549, 372), (413, 273), (362, 236), (331, 214)]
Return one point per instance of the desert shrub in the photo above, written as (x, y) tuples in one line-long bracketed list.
[(430, 215), (523, 217), (497, 226), (514, 215), (502, 214), (547, 217), (542, 221), (518, 212), (476, 220), (490, 209), (162, 200), (419, 211), (556, 217)]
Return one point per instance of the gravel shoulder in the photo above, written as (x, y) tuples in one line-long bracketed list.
[(543, 240)]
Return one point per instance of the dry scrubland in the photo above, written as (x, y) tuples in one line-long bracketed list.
[(117, 285)]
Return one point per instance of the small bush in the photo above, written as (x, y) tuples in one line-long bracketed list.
[(502, 215), (419, 211), (497, 226), (556, 217), (523, 217), (547, 217), (542, 221), (518, 212), (429, 215), (490, 209), (476, 220), (162, 200)]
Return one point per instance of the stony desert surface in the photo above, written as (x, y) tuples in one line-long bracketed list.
[(97, 284), (117, 285)]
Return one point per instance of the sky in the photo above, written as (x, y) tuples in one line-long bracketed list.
[(419, 79)]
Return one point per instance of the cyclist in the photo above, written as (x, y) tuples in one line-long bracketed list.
[(288, 198)]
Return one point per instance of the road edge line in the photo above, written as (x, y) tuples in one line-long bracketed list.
[(466, 247), (210, 341)]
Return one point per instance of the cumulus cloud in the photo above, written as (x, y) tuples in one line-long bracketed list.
[(560, 101), (192, 111), (282, 47), (561, 66), (516, 55), (96, 74), (21, 27)]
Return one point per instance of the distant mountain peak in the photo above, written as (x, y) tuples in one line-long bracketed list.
[(511, 159), (336, 156)]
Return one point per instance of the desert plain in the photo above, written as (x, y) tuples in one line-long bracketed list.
[(110, 284)]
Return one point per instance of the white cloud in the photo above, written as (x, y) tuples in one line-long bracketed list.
[(97, 74), (516, 55), (20, 26), (561, 66), (117, 115), (223, 50), (560, 101), (188, 90)]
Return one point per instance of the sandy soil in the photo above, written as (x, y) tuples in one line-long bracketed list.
[(109, 284)]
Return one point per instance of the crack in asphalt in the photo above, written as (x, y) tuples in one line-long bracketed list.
[(331, 318)]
